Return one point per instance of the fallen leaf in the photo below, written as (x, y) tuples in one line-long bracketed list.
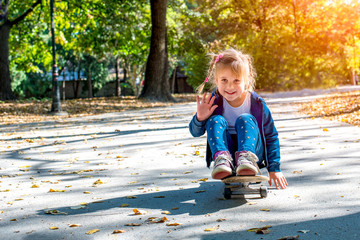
[(159, 197), (124, 205), (211, 229), (187, 172), (325, 130), (173, 224), (119, 231), (98, 182), (87, 192), (92, 231), (74, 225), (139, 212), (131, 197), (53, 228), (133, 224), (56, 190), (133, 182), (297, 172), (221, 220), (200, 191), (175, 208), (55, 212), (196, 153), (265, 210), (166, 212), (157, 220), (13, 220), (203, 179)]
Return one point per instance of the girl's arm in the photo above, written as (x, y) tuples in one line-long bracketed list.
[(273, 151)]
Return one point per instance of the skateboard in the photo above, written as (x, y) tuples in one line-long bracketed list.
[(239, 185)]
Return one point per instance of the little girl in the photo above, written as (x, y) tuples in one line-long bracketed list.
[(241, 135)]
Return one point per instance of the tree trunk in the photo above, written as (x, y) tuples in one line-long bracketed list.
[(118, 84), (156, 75), (78, 82), (5, 82), (90, 92)]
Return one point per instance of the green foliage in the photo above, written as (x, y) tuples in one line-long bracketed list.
[(294, 44)]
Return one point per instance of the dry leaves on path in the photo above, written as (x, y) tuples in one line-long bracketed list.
[(26, 111), (343, 107)]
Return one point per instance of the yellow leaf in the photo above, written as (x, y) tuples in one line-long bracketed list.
[(35, 186), (173, 224), (118, 231), (53, 228), (166, 212), (203, 179), (139, 212), (28, 166), (196, 153), (97, 182), (56, 190), (325, 130), (92, 231), (74, 225), (87, 192), (265, 210), (211, 229)]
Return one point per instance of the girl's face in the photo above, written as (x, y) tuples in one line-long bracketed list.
[(230, 86)]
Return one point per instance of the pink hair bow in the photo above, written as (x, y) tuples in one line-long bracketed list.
[(218, 58)]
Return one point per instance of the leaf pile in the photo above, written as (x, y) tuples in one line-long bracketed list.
[(26, 111), (343, 107)]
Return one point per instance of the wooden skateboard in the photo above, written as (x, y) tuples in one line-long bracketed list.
[(239, 185)]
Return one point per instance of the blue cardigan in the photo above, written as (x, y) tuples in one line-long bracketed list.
[(269, 134)]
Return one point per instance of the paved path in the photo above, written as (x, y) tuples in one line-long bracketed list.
[(147, 160)]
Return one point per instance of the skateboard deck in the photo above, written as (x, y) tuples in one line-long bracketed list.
[(239, 186)]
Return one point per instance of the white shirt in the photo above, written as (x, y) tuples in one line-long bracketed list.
[(232, 113)]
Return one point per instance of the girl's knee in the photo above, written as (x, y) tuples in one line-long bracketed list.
[(217, 119), (245, 118)]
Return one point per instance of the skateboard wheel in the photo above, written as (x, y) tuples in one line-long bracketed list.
[(263, 191), (227, 193)]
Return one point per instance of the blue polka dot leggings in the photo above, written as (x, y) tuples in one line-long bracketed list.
[(247, 138)]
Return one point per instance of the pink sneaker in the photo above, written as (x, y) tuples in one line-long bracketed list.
[(223, 166), (246, 164)]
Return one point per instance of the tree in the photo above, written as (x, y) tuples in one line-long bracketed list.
[(6, 23), (157, 67)]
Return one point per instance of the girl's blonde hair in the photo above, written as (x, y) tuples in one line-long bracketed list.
[(238, 62)]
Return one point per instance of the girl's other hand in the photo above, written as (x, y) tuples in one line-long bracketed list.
[(278, 179), (205, 108)]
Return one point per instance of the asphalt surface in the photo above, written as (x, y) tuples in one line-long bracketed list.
[(95, 171)]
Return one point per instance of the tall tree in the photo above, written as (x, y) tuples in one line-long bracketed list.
[(157, 67), (6, 23)]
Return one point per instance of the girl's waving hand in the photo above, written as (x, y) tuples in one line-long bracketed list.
[(205, 108)]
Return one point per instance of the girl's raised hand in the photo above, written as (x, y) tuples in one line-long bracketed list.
[(205, 108)]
